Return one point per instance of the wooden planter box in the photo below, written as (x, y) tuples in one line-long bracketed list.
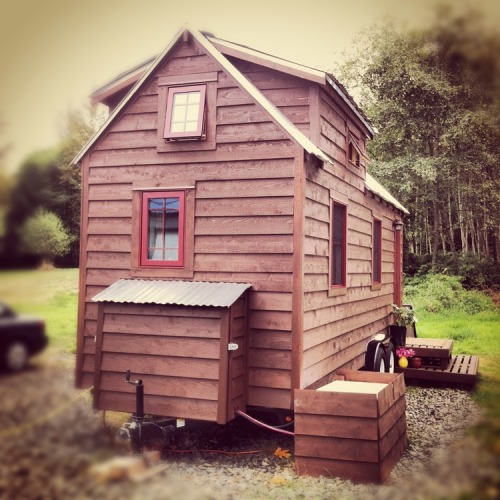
[(353, 428), (434, 352)]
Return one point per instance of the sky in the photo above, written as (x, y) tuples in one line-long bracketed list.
[(55, 53)]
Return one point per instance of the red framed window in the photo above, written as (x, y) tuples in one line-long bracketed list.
[(162, 229), (184, 118), (338, 245), (377, 251)]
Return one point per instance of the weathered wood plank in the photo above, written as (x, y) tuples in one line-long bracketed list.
[(244, 225), (164, 326), (259, 188), (190, 388), (161, 365), (158, 405), (162, 346), (244, 263), (335, 426), (244, 244)]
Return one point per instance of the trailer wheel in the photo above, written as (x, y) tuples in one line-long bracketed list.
[(390, 358), (379, 363)]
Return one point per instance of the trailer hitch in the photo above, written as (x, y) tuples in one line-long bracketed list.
[(140, 429)]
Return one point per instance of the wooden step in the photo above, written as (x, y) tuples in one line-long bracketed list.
[(434, 352), (461, 370)]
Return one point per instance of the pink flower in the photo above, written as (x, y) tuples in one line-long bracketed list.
[(403, 352)]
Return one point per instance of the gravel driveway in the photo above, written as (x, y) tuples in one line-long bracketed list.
[(51, 459)]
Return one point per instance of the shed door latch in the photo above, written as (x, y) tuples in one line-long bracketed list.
[(232, 346)]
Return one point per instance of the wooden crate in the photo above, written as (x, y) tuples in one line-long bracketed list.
[(353, 431), (434, 352)]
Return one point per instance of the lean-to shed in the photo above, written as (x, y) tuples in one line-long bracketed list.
[(221, 165)]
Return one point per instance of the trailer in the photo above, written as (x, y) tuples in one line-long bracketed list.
[(234, 248)]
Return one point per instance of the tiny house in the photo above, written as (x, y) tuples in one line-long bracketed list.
[(234, 247)]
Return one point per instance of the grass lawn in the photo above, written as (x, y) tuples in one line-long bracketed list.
[(51, 295), (477, 334)]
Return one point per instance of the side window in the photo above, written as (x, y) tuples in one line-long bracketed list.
[(354, 156), (377, 252), (338, 245), (162, 229), (185, 113)]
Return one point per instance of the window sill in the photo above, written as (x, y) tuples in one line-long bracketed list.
[(163, 272), (376, 286), (336, 292)]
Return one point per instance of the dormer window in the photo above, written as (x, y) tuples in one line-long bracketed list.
[(185, 114)]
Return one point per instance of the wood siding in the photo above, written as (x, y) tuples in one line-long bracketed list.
[(243, 216), (337, 327)]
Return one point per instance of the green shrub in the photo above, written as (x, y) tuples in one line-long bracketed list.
[(474, 272), (440, 293)]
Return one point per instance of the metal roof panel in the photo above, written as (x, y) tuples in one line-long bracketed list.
[(181, 293)]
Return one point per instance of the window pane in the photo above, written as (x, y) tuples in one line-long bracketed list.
[(191, 126), (180, 98), (163, 229), (177, 127), (193, 111), (194, 97), (338, 244), (178, 114), (377, 251)]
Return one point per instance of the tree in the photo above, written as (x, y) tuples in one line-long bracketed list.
[(43, 234), (433, 94), (46, 179)]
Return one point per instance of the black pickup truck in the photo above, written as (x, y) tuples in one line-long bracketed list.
[(21, 336)]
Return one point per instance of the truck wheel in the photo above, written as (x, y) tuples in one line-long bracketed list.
[(15, 356), (379, 364), (390, 358)]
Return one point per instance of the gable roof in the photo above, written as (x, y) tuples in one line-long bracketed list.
[(219, 49), (279, 118), (312, 74)]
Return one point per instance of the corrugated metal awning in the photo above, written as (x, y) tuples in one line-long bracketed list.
[(180, 293)]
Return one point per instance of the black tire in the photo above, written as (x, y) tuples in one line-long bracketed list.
[(15, 356), (379, 363), (390, 358)]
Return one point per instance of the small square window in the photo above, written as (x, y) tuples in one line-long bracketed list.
[(185, 113), (162, 229)]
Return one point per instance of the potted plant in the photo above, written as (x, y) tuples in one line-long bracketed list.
[(403, 316)]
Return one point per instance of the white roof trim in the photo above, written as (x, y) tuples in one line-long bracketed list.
[(228, 48), (280, 119), (375, 187)]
